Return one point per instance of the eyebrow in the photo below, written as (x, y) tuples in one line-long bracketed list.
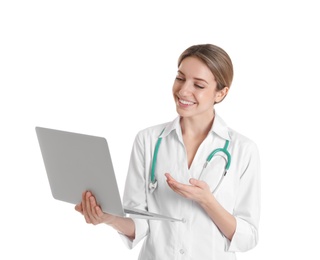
[(179, 71)]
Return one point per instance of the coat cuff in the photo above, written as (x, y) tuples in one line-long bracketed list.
[(244, 238), (141, 231)]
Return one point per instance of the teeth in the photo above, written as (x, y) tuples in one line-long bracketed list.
[(186, 102)]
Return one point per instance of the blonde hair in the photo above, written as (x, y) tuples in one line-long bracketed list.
[(216, 59)]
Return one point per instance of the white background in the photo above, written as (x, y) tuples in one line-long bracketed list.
[(106, 68)]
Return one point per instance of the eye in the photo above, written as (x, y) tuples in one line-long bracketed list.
[(179, 78), (198, 86)]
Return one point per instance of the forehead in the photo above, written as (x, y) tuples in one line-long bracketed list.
[(195, 68)]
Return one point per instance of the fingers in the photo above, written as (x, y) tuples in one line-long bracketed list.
[(169, 177), (84, 206), (194, 182), (78, 208), (92, 212), (176, 186), (87, 207), (196, 191), (91, 205), (201, 184), (171, 181)]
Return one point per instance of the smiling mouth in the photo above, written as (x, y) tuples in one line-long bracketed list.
[(186, 102)]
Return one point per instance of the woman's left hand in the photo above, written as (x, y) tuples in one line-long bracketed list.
[(197, 190)]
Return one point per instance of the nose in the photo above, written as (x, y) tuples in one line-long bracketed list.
[(185, 89)]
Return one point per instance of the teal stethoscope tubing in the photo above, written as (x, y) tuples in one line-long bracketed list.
[(153, 182)]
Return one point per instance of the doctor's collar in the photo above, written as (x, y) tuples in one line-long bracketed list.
[(173, 125), (219, 127)]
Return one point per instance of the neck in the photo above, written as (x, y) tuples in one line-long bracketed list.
[(196, 126)]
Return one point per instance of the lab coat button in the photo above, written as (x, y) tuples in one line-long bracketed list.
[(182, 251)]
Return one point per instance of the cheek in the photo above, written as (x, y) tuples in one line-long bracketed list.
[(175, 88), (207, 98)]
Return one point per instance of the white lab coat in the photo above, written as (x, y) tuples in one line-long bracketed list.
[(197, 237)]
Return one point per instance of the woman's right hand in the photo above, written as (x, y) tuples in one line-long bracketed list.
[(92, 212)]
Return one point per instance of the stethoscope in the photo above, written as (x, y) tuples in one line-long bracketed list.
[(154, 183)]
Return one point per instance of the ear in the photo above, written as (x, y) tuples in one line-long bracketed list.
[(221, 94)]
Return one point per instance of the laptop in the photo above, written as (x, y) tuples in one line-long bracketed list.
[(77, 162)]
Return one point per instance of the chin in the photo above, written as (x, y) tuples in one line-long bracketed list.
[(183, 113)]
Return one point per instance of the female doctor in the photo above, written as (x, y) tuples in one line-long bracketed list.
[(194, 168)]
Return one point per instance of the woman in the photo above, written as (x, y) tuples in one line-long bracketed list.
[(220, 212)]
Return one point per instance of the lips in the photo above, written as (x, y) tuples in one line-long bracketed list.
[(186, 102)]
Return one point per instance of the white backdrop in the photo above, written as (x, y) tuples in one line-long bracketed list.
[(106, 68)]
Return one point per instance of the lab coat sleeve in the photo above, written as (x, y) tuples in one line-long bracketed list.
[(141, 231), (135, 190), (247, 207)]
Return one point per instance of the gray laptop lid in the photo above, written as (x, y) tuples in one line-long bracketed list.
[(75, 163)]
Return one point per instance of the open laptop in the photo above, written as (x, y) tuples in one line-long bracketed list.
[(75, 163)]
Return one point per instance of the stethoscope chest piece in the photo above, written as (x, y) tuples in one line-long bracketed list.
[(153, 186)]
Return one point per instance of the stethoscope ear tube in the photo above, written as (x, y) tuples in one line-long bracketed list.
[(223, 150), (154, 160), (153, 184)]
